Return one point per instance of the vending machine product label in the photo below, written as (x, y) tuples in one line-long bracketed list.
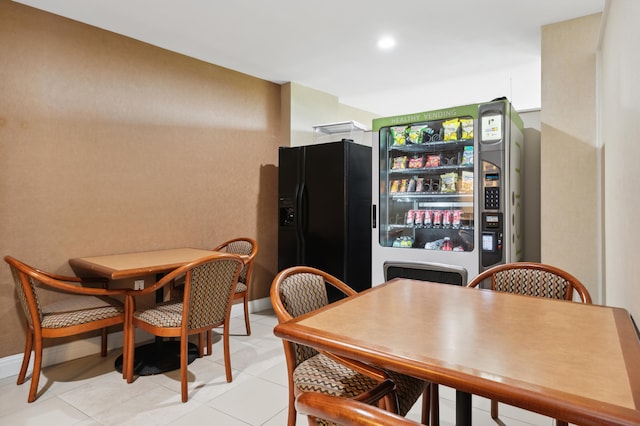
[(491, 128)]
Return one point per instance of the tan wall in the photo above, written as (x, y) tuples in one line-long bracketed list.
[(568, 152), (110, 145)]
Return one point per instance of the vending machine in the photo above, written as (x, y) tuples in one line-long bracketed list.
[(447, 192)]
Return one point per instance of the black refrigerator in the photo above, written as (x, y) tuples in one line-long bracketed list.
[(325, 210)]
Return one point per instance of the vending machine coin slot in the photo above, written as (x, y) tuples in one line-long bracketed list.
[(492, 238)]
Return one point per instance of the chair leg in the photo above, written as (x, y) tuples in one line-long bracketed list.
[(494, 409), (426, 403), (125, 351), (184, 343), (291, 417), (227, 354), (435, 404), (27, 355), (103, 346), (246, 314), (201, 344), (37, 364), (209, 342)]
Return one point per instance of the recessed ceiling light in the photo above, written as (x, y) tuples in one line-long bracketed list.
[(386, 42)]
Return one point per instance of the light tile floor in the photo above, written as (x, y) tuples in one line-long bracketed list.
[(88, 391)]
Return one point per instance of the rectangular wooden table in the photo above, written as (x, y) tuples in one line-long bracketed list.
[(575, 362), (162, 355), (135, 265)]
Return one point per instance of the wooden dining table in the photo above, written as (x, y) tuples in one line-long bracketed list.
[(162, 355), (136, 264), (575, 362)]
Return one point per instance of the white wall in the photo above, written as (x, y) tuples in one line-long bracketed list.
[(619, 117), (310, 107)]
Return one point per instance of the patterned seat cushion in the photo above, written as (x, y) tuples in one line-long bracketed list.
[(167, 314), (79, 310), (322, 374), (178, 289)]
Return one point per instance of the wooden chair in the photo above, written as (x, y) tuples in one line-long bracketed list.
[(532, 279), (349, 412), (209, 284), (247, 247), (84, 309), (298, 290)]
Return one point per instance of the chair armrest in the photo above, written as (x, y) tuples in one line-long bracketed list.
[(373, 396), (348, 410), (82, 280), (362, 368), (48, 281)]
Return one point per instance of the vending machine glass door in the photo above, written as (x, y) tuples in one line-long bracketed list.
[(427, 185)]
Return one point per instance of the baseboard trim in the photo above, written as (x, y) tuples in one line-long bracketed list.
[(10, 365)]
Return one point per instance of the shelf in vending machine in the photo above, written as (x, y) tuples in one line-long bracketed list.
[(444, 204), (431, 146), (450, 197), (435, 169), (429, 227)]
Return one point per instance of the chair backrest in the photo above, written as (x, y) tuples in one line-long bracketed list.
[(25, 278), (298, 290), (209, 287), (346, 411), (533, 279), (242, 246)]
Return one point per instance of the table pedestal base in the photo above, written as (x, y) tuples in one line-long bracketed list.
[(463, 408), (158, 357)]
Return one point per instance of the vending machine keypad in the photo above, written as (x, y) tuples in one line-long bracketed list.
[(492, 198)]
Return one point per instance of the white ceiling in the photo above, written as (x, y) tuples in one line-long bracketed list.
[(448, 52)]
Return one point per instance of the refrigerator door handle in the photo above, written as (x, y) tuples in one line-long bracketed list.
[(374, 222), (301, 223)]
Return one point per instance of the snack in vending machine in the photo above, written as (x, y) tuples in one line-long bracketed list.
[(457, 215), (403, 185), (467, 182), (412, 185), (467, 156), (419, 218), (437, 217), (420, 185), (467, 128), (416, 162), (395, 186), (399, 163), (451, 129), (414, 134), (449, 182), (399, 136), (411, 214), (447, 218), (433, 161), (434, 245), (447, 245), (426, 221), (408, 242)]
